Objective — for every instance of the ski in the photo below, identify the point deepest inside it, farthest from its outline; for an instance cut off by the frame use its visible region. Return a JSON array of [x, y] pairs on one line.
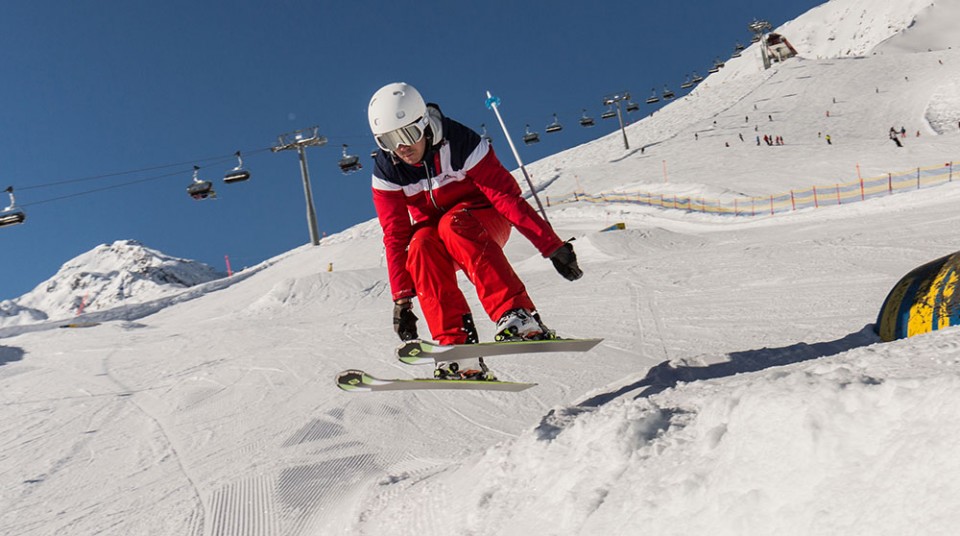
[[359, 381], [417, 352]]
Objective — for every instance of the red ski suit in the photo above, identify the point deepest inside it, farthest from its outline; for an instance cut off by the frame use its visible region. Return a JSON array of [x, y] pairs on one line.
[[454, 211]]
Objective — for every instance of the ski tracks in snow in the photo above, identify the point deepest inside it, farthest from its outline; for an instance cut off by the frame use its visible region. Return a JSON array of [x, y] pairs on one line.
[[649, 320]]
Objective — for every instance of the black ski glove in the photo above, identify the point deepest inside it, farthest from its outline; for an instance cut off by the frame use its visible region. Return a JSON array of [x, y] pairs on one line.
[[404, 321], [565, 261]]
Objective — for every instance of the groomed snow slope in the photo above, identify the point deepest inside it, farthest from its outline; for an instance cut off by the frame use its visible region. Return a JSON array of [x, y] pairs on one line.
[[740, 388]]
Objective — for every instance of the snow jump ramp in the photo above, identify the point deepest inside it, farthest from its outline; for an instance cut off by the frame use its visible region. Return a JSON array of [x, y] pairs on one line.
[[924, 300]]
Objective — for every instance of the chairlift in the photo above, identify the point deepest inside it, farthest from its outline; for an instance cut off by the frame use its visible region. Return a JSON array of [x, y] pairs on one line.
[[530, 137], [610, 113], [349, 162], [237, 174], [632, 106], [653, 99], [718, 64], [714, 69], [200, 189], [586, 120], [555, 126], [737, 50], [696, 78], [687, 84], [667, 93], [11, 215], [373, 153]]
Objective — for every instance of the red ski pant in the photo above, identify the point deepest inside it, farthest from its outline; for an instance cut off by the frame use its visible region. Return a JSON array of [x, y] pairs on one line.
[[470, 240]]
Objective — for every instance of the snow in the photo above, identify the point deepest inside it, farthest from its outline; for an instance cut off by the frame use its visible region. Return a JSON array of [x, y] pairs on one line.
[[740, 388], [124, 272]]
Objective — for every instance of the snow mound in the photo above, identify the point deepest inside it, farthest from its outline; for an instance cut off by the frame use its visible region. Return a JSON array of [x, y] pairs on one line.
[[943, 112], [660, 456]]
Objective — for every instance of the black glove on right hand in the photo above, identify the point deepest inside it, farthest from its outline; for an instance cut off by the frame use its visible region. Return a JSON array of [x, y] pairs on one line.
[[404, 321], [565, 261]]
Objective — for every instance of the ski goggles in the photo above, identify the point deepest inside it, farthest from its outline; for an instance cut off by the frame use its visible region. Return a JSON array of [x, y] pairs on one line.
[[408, 135]]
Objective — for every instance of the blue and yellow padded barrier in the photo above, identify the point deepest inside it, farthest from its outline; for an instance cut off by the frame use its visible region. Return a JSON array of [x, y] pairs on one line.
[[925, 300]]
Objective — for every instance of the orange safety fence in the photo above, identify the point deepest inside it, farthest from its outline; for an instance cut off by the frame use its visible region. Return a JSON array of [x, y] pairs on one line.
[[814, 197]]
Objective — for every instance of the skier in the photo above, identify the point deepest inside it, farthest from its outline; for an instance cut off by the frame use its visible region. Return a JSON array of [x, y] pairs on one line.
[[445, 203]]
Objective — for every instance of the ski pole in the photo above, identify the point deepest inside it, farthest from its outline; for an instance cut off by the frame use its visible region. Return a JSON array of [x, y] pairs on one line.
[[493, 103]]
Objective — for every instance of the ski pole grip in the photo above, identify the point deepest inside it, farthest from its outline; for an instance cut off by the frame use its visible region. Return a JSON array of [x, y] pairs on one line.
[[492, 101]]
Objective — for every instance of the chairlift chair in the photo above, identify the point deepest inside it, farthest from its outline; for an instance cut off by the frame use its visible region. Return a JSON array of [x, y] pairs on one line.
[[11, 215], [555, 126], [200, 189], [373, 153], [349, 162], [667, 93], [586, 120], [632, 106], [237, 174], [610, 113], [696, 78], [687, 84], [530, 137], [653, 99]]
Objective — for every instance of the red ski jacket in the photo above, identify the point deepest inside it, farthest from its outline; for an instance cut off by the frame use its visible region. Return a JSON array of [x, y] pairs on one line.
[[461, 172]]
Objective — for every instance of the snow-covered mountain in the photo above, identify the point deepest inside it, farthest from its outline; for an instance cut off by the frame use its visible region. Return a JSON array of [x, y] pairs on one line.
[[851, 28], [740, 388], [122, 273]]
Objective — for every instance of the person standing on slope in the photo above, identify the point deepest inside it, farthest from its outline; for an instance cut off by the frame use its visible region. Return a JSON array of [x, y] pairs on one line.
[[446, 203]]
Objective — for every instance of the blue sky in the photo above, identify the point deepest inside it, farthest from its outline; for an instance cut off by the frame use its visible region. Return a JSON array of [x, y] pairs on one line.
[[94, 91]]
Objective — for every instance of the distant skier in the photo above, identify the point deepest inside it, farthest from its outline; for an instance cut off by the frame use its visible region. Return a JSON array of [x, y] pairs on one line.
[[827, 137], [445, 203]]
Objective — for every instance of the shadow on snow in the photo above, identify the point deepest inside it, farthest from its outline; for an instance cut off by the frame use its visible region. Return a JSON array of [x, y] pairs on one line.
[[9, 354], [667, 375]]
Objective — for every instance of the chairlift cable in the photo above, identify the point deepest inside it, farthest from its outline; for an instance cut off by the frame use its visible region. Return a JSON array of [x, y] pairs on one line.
[[213, 160], [101, 189]]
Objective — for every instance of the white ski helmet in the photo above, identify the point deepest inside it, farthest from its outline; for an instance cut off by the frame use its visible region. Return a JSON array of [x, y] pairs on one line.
[[397, 115]]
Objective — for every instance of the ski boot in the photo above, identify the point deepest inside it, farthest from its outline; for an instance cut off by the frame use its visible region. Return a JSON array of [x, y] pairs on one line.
[[522, 325]]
